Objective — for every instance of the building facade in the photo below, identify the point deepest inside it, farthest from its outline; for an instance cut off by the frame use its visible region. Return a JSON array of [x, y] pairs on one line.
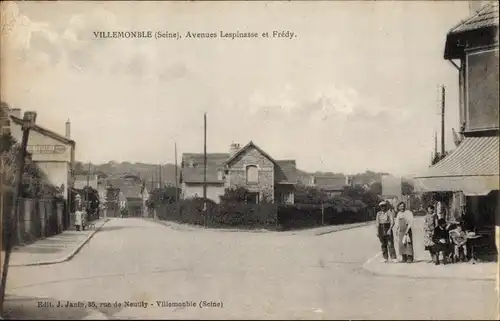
[[249, 166], [472, 169], [82, 181], [129, 193], [53, 153]]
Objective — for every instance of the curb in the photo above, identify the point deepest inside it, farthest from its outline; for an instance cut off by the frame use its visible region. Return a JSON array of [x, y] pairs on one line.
[[190, 228], [69, 256], [366, 267], [345, 228]]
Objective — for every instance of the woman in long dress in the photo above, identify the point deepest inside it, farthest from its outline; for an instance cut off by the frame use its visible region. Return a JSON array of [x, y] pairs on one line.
[[403, 226], [430, 223]]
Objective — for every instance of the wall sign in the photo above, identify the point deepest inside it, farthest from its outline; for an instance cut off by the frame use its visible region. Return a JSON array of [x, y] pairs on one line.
[[46, 149]]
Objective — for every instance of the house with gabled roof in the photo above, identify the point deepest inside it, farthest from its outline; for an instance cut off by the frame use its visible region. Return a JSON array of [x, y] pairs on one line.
[[130, 192], [249, 166], [53, 153]]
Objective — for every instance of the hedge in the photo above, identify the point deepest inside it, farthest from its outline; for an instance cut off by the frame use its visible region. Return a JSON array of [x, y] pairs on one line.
[[219, 215], [298, 216], [252, 216]]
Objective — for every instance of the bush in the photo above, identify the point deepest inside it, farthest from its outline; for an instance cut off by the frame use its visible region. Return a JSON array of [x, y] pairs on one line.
[[244, 215], [299, 216], [231, 214]]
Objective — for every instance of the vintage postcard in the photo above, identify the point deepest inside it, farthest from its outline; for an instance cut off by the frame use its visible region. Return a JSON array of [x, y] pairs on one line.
[[258, 160]]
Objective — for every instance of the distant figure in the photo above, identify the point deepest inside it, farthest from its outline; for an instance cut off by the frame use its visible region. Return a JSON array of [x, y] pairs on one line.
[[430, 223], [403, 225], [79, 218], [384, 223]]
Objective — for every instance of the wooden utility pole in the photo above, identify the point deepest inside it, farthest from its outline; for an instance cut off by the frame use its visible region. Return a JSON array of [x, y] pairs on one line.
[[160, 184], [205, 167], [435, 143], [322, 214], [12, 222], [443, 95], [176, 180]]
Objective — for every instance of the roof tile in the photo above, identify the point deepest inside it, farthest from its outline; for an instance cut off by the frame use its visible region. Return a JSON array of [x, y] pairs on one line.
[[487, 16]]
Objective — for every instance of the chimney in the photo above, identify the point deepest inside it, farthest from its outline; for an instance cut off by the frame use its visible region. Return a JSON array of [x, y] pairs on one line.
[[474, 6], [233, 149], [68, 129], [16, 112], [347, 180]]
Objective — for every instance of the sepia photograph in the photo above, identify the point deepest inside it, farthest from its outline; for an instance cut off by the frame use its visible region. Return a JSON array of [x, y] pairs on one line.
[[239, 160]]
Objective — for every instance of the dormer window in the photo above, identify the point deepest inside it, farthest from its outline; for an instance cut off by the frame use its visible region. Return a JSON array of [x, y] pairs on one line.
[[191, 163]]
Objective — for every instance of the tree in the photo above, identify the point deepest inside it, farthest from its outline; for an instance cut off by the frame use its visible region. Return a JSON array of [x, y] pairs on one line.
[[79, 168], [235, 195], [163, 195], [376, 188], [359, 193], [90, 197], [309, 195], [407, 188]]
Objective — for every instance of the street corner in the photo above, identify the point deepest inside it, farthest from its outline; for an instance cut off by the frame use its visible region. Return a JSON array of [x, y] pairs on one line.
[[33, 308], [337, 228], [423, 269]]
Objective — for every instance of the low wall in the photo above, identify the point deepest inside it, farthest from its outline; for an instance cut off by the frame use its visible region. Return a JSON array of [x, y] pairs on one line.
[[36, 219]]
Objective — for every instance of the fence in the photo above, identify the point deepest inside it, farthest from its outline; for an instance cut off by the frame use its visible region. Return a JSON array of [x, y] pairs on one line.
[[36, 219], [252, 216]]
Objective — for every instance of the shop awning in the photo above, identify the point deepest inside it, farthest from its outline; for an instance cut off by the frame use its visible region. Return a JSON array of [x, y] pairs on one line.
[[472, 168]]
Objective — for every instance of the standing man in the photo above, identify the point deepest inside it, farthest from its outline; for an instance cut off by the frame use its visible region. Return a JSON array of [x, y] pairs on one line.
[[384, 222]]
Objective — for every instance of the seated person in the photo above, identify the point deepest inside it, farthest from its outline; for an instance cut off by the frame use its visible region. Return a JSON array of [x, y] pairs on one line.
[[459, 240], [441, 241]]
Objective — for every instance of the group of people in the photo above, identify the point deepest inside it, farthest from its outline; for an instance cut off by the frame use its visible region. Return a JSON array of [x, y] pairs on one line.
[[80, 217], [444, 239], [395, 228]]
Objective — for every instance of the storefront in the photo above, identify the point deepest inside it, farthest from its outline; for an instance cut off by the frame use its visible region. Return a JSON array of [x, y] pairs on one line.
[[469, 176]]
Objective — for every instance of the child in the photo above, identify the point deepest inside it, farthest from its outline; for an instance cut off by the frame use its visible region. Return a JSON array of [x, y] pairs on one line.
[[459, 239]]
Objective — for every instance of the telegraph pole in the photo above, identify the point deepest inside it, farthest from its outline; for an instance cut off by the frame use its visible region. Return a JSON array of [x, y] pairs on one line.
[[87, 189], [176, 184], [205, 167], [29, 120], [160, 184], [443, 95]]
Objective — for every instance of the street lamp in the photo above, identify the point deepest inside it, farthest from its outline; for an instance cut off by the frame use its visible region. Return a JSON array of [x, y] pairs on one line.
[[29, 120]]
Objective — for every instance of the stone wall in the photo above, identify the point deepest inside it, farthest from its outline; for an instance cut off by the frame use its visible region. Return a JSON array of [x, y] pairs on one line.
[[237, 173], [36, 219]]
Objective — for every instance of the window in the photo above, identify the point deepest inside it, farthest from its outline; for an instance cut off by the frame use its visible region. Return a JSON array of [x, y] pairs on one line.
[[252, 174], [482, 90]]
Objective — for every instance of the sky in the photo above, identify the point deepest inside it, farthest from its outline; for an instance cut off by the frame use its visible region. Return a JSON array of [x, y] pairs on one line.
[[355, 90]]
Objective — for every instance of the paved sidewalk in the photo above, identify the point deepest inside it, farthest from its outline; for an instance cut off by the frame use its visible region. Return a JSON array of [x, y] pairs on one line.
[[311, 231], [422, 268], [54, 249]]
